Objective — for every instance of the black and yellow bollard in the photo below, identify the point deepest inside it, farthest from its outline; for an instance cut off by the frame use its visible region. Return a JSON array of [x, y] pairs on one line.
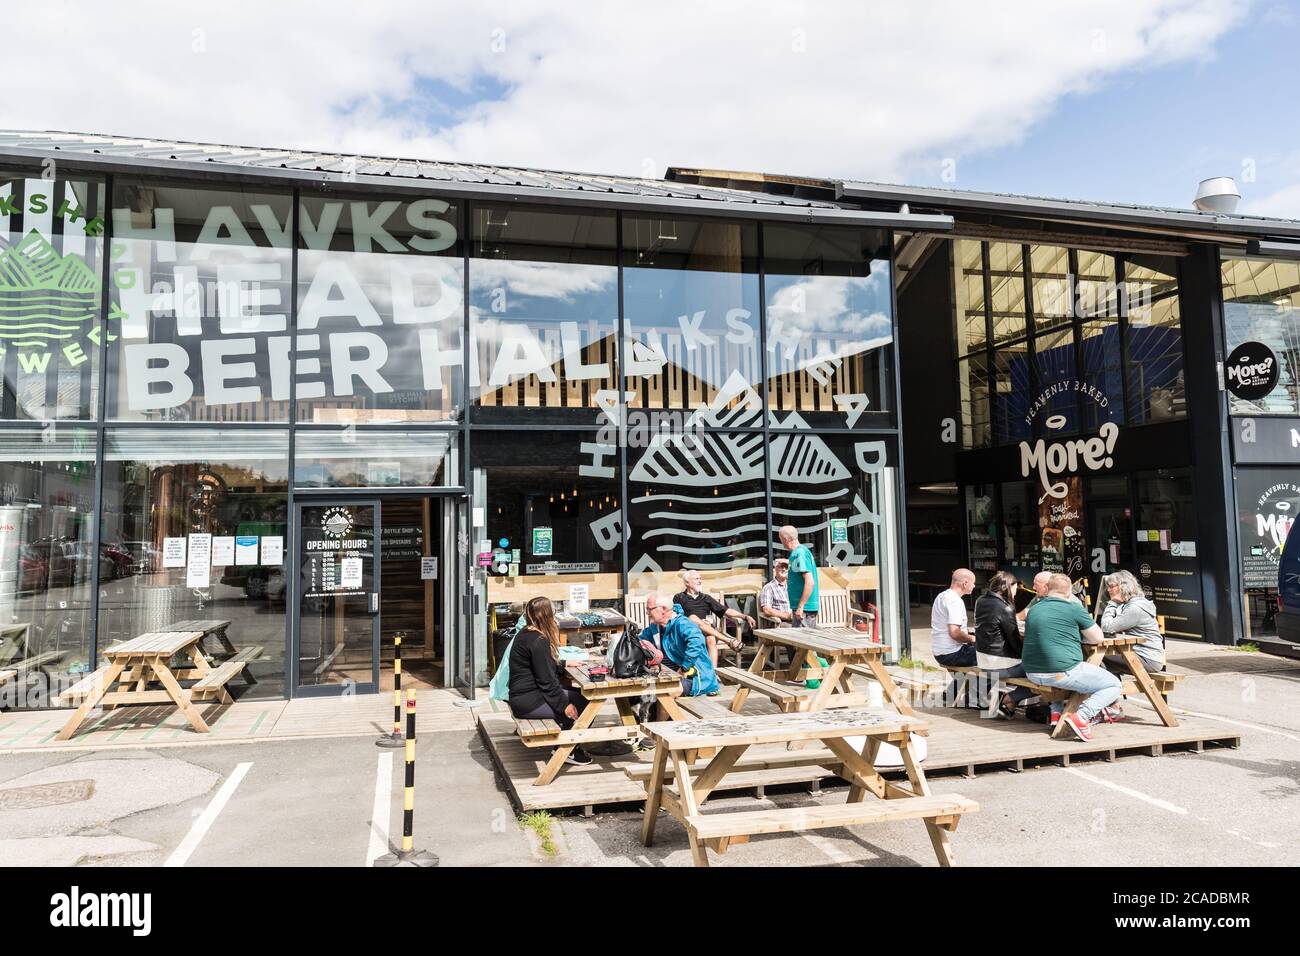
[[407, 855], [395, 738]]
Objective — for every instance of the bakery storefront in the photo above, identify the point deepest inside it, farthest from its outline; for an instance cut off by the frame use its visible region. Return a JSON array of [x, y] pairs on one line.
[[1063, 440], [318, 413]]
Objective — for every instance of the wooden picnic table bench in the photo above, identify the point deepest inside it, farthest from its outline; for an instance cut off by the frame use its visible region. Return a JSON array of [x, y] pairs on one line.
[[841, 647], [684, 792], [135, 664], [663, 688], [216, 629]]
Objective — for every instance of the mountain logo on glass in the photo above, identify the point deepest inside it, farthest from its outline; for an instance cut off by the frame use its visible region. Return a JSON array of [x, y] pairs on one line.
[[47, 301]]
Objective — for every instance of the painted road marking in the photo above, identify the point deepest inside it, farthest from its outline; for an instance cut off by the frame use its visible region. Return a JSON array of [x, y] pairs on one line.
[[205, 820], [379, 813], [1135, 794], [1239, 723]]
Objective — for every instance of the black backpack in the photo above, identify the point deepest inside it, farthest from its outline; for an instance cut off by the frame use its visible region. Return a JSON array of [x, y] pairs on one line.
[[628, 658]]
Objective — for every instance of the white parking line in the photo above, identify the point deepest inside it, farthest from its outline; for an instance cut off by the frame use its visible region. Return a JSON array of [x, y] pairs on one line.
[[1129, 791], [1239, 723], [205, 819], [381, 810]]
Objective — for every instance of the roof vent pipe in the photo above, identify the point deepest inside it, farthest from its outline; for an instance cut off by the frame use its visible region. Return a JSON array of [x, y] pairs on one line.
[[1219, 194]]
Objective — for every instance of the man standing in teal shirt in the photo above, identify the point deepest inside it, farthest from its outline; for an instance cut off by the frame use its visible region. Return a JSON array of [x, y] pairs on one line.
[[802, 582]]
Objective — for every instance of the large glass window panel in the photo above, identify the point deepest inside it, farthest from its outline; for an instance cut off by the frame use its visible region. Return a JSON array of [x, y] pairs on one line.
[[48, 556], [829, 326], [838, 492], [981, 505], [691, 309], [165, 489], [1055, 408], [1156, 387], [1095, 291], [1261, 303], [1013, 393], [366, 458], [1021, 530], [1052, 286], [200, 304], [975, 385], [543, 313], [51, 268], [1102, 392], [968, 292], [1007, 286], [380, 310]]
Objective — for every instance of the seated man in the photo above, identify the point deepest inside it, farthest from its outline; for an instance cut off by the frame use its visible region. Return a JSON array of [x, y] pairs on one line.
[[1053, 655], [683, 646], [774, 599], [1040, 591], [951, 642], [697, 606]]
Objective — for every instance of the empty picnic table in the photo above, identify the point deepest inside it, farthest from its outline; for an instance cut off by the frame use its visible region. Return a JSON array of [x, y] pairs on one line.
[[841, 647], [663, 687], [218, 629], [732, 736], [135, 664]]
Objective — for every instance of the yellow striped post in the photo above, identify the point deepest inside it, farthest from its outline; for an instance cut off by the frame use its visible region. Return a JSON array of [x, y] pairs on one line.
[[407, 855], [395, 738]]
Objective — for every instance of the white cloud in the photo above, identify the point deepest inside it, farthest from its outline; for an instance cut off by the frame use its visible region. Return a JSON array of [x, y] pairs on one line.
[[854, 90]]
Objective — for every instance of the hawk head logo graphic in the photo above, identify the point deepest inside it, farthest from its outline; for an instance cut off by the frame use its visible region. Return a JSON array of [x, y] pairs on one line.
[[46, 299]]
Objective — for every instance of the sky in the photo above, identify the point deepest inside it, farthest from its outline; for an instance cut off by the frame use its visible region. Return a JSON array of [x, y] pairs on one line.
[[1119, 100]]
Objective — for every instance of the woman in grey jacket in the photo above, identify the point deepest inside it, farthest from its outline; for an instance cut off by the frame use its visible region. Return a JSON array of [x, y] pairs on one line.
[[1130, 613]]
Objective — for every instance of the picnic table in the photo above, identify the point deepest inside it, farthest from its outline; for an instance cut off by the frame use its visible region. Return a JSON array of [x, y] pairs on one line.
[[1122, 645], [732, 736], [217, 629], [841, 647], [136, 664], [663, 688]]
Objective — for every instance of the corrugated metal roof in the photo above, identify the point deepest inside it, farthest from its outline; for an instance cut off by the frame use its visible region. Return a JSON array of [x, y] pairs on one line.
[[167, 152]]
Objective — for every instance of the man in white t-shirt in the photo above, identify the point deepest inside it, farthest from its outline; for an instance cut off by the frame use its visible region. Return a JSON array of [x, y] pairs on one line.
[[950, 640]]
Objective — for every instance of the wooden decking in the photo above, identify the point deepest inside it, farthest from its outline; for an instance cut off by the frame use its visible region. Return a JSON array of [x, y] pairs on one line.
[[959, 742]]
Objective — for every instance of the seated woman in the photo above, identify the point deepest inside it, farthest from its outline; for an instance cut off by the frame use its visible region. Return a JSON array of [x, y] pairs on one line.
[[997, 640], [1130, 613], [536, 691]]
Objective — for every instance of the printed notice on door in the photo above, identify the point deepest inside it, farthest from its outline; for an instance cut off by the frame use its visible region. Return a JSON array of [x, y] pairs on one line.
[[198, 572], [173, 552], [350, 573]]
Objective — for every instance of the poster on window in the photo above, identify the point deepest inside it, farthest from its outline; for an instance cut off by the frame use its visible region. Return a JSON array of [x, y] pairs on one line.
[[1060, 522], [1267, 503]]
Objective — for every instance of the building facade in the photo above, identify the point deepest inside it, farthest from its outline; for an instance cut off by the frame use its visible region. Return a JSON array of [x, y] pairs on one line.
[[324, 399]]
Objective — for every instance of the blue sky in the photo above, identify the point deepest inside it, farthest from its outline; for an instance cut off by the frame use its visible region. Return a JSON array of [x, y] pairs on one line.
[[1149, 136]]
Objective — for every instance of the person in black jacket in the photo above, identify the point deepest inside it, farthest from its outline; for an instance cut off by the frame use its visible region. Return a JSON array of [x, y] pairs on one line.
[[997, 640], [536, 688]]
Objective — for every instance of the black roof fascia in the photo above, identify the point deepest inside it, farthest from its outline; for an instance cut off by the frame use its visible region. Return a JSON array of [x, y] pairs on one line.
[[1089, 212], [343, 182], [1273, 250]]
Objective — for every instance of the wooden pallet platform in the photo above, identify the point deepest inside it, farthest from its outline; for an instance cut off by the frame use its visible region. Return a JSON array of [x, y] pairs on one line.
[[959, 742]]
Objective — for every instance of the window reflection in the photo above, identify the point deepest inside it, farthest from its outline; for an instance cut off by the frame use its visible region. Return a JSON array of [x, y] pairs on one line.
[[201, 300], [1052, 292], [968, 287], [543, 312], [1155, 340], [1007, 284], [1261, 304]]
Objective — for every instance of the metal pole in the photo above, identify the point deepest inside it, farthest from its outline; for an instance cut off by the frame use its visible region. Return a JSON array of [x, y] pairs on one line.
[[395, 738], [407, 855]]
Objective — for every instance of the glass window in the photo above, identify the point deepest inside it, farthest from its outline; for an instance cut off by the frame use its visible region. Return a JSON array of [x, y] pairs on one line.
[[1055, 408], [691, 307], [51, 269], [1155, 340], [839, 494], [227, 487], [1102, 392], [981, 505], [365, 458], [1007, 285], [696, 500], [1021, 530], [1268, 500], [1053, 293], [200, 290], [543, 313], [968, 290], [380, 311], [830, 331], [1166, 525], [47, 559], [1261, 303], [974, 382], [1012, 396]]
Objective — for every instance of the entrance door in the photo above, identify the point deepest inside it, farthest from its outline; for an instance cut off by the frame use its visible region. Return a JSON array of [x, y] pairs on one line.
[[338, 597], [459, 591]]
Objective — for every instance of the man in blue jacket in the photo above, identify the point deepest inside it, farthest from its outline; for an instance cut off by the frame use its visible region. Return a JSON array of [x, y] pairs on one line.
[[683, 645]]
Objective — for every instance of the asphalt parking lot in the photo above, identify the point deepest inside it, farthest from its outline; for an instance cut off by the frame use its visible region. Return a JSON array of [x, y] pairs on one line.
[[314, 803]]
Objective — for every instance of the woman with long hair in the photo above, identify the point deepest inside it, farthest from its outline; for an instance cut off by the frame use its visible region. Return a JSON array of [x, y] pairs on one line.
[[997, 640], [536, 690], [1131, 613]]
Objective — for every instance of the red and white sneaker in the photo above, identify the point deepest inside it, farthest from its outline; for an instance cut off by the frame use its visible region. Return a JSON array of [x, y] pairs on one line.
[[1110, 715], [1080, 727], [1056, 716]]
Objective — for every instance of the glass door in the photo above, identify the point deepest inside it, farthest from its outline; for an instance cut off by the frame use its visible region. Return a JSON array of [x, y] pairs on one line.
[[338, 597], [461, 597]]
